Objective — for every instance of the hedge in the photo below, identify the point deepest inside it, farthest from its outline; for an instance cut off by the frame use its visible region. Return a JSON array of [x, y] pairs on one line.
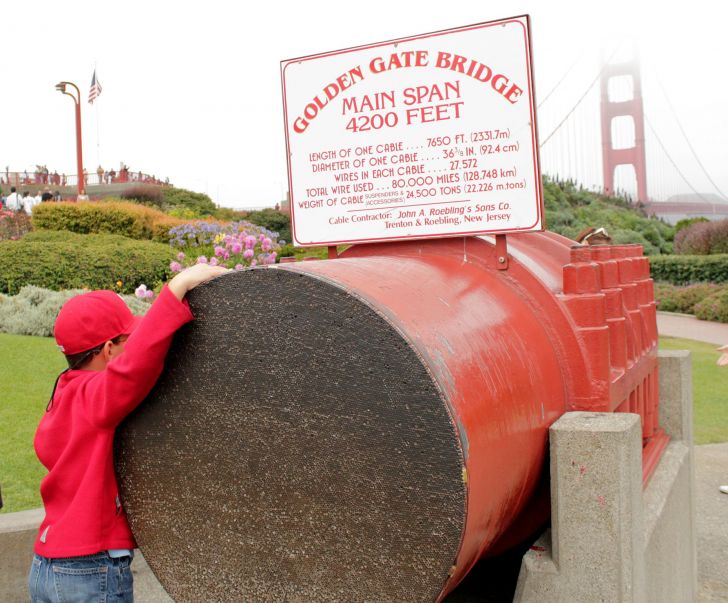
[[63, 260], [687, 269], [714, 308], [672, 298], [33, 311], [108, 217]]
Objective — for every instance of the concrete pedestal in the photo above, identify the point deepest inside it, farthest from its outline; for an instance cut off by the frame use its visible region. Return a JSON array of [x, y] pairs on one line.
[[612, 540]]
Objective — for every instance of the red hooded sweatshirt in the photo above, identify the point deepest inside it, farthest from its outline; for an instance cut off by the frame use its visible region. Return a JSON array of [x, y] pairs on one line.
[[75, 439]]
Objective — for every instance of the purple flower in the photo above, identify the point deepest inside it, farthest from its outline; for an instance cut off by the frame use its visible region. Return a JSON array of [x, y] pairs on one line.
[[202, 260], [175, 267]]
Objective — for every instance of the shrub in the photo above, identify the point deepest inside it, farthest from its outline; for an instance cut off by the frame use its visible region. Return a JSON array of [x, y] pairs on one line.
[[199, 203], [714, 308], [110, 217], [273, 220], [33, 310], [144, 193], [13, 225], [570, 209], [228, 214], [684, 223], [671, 298], [687, 269], [69, 261], [703, 238]]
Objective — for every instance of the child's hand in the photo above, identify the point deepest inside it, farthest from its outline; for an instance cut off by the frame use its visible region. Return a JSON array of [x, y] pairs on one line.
[[190, 277]]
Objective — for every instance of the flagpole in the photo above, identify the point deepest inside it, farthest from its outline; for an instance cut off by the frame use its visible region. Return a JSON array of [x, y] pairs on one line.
[[98, 145]]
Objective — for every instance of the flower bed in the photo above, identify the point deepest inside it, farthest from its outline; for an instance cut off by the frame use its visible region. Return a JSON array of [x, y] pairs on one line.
[[13, 225], [236, 245]]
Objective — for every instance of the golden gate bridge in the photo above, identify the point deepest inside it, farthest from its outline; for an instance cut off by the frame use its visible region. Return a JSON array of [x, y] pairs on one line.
[[638, 157]]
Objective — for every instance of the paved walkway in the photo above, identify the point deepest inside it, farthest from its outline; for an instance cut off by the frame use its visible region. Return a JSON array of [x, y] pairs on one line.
[[689, 327], [711, 470]]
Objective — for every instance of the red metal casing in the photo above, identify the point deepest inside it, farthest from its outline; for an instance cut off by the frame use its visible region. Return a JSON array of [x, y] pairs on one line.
[[563, 327]]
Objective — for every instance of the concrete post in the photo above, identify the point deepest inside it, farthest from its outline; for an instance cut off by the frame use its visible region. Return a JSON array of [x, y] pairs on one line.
[[612, 540], [596, 498]]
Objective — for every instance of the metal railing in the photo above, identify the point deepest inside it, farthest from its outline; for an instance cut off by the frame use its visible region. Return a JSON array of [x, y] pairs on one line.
[[99, 178]]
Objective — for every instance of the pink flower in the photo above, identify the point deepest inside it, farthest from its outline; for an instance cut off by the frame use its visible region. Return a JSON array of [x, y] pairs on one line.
[[219, 250], [202, 260], [248, 253], [266, 244], [249, 242], [261, 238], [181, 256], [237, 247], [226, 255], [254, 263], [213, 262], [149, 294], [141, 291], [175, 267], [239, 266]]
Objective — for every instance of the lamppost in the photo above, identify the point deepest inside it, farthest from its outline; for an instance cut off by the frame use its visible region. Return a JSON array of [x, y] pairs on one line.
[[61, 87]]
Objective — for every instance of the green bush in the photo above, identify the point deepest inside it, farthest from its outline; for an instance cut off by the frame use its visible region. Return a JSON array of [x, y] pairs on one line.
[[688, 269], [180, 198], [672, 298], [570, 209], [714, 308], [273, 220], [70, 261], [123, 218], [33, 311], [109, 216]]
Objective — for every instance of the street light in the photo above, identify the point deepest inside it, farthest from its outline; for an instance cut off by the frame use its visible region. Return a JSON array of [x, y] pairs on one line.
[[61, 87]]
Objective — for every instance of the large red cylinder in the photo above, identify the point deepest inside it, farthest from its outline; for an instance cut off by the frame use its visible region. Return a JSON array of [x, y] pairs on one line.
[[505, 345]]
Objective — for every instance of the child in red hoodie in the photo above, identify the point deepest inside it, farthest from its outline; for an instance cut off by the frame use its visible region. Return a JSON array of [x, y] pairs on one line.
[[84, 546]]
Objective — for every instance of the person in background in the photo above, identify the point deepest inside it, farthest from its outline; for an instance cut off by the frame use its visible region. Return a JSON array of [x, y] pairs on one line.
[[13, 201], [27, 203], [84, 547]]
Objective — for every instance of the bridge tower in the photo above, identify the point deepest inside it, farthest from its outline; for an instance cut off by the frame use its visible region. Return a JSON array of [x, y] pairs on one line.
[[630, 108]]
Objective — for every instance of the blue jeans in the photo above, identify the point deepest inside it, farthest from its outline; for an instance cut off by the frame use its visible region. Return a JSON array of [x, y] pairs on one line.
[[87, 579]]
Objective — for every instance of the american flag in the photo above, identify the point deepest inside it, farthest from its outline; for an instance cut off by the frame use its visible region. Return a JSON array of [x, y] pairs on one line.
[[95, 89]]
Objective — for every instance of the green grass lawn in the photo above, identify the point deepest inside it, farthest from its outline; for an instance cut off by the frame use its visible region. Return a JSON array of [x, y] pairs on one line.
[[710, 389], [29, 366]]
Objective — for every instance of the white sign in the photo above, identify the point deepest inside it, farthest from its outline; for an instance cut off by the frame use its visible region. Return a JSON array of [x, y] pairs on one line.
[[429, 136]]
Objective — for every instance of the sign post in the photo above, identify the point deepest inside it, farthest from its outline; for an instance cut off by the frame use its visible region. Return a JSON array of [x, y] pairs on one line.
[[427, 136]]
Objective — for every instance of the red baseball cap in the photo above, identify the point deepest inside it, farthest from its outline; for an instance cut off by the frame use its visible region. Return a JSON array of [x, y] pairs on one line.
[[88, 320]]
